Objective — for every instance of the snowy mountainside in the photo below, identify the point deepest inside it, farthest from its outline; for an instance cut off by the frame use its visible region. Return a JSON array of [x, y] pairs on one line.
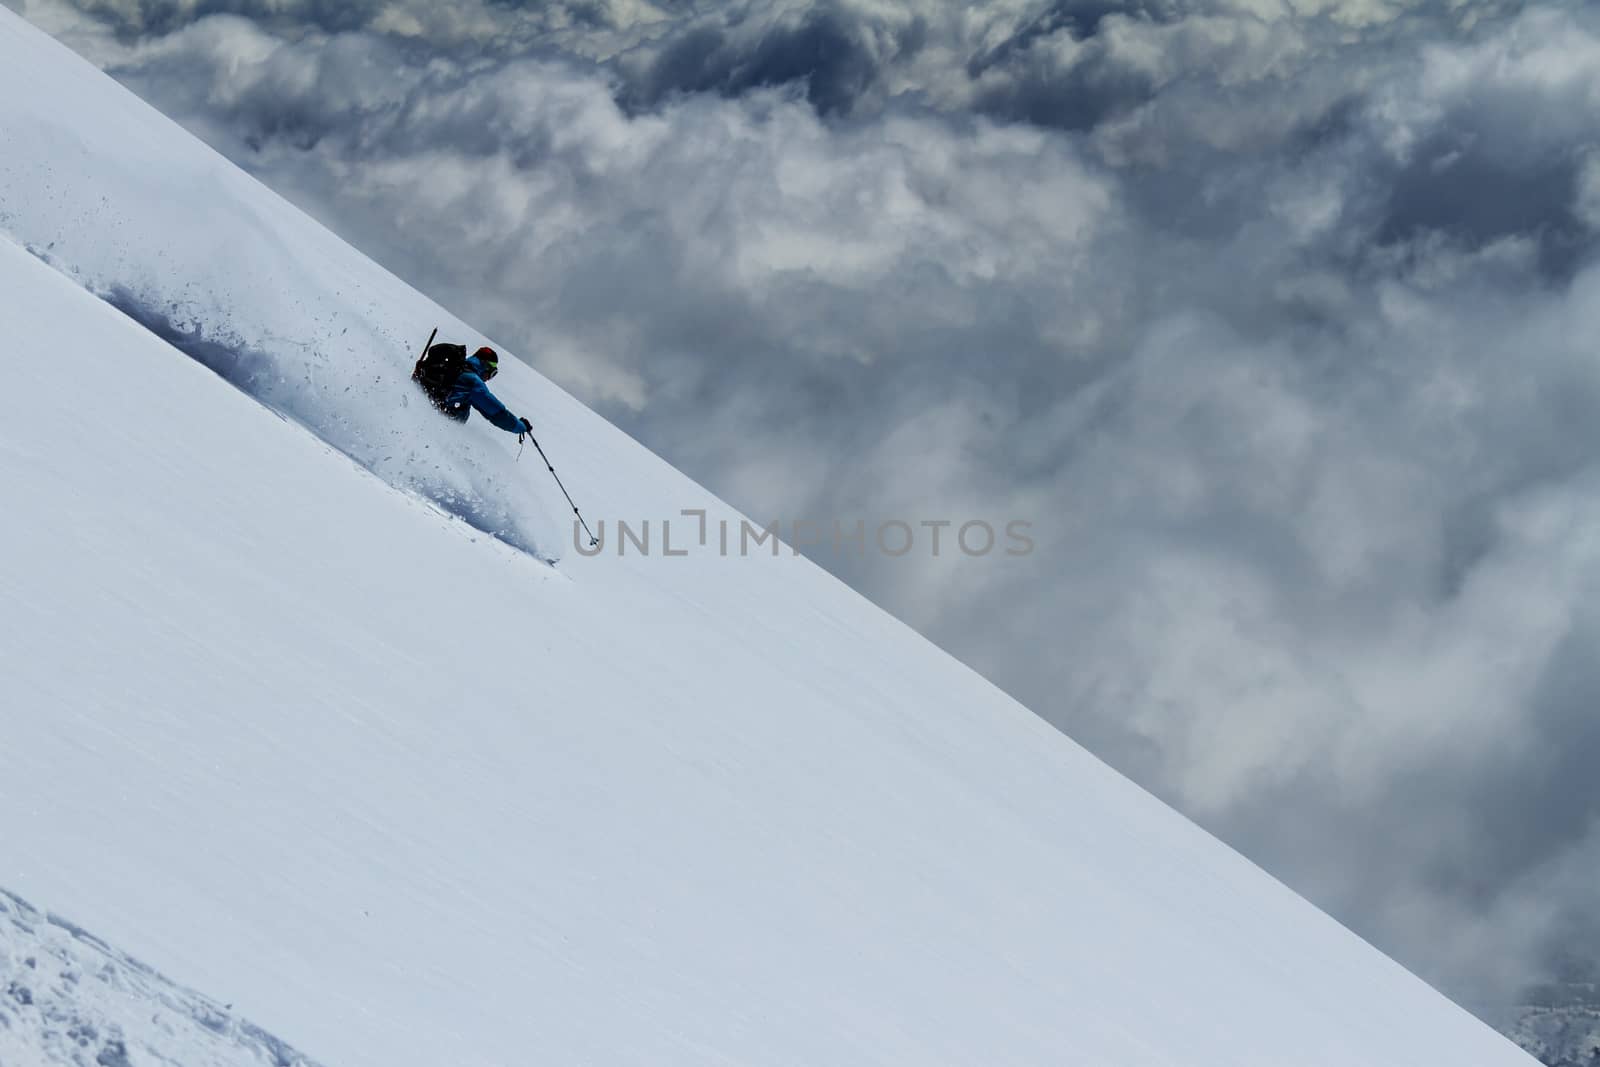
[[68, 998], [1559, 1022], [277, 725], [1559, 1036]]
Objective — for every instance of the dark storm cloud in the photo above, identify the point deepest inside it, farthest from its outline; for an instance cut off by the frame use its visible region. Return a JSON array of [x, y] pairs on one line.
[[823, 49], [486, 26], [134, 17], [1279, 326]]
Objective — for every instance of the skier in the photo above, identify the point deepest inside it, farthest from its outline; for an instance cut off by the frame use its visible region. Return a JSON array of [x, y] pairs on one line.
[[454, 382]]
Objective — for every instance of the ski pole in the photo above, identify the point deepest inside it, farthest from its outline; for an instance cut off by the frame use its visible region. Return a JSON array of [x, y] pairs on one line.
[[593, 540]]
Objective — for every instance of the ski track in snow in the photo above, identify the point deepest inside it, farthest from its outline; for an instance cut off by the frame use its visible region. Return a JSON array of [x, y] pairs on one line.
[[344, 378], [253, 372], [66, 997]]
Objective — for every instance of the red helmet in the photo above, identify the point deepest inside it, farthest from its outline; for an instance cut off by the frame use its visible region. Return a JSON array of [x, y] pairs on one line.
[[488, 360]]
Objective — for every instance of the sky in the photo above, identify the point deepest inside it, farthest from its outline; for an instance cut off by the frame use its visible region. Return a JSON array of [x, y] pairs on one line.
[[1276, 320]]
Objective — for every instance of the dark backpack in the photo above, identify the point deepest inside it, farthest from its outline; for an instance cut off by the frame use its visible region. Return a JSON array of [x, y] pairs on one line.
[[437, 372]]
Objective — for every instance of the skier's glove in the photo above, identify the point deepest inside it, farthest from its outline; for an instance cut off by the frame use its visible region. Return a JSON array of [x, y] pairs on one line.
[[527, 427]]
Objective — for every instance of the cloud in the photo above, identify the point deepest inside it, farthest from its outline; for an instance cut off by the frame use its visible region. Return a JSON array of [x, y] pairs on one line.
[[837, 57], [1274, 319], [478, 21]]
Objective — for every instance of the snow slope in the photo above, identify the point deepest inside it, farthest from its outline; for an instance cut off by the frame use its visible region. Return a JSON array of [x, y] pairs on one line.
[[279, 726], [66, 997]]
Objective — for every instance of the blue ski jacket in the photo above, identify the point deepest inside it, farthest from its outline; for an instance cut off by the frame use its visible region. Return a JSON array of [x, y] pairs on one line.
[[470, 389]]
